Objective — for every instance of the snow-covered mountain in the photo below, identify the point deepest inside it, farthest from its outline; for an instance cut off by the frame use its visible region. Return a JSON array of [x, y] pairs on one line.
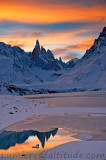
[[72, 62], [22, 67], [39, 71], [45, 59], [90, 70]]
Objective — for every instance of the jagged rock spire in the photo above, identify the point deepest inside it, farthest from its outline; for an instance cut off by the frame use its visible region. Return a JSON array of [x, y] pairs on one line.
[[37, 44], [60, 59], [43, 51], [40, 52], [50, 54], [36, 51], [104, 30]]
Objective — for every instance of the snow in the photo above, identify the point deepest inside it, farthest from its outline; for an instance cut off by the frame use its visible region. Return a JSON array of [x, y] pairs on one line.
[[14, 109], [73, 111], [78, 150], [6, 64], [83, 136]]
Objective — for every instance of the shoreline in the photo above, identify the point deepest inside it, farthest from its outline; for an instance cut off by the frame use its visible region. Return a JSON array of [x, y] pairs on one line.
[[78, 119], [70, 122], [14, 109], [83, 121]]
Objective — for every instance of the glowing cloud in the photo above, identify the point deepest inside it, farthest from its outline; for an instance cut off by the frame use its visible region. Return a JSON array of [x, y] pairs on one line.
[[46, 11], [66, 27]]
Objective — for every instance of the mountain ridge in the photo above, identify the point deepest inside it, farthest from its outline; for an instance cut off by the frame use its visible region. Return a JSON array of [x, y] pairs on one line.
[[39, 71]]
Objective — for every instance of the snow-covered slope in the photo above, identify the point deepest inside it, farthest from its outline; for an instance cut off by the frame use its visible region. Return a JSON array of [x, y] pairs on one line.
[[77, 150], [90, 71], [14, 109], [39, 71]]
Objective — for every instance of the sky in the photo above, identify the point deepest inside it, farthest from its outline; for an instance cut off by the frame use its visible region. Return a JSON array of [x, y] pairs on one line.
[[67, 27]]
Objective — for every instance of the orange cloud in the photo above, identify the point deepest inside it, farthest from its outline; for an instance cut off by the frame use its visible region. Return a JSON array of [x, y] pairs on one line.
[[81, 46], [67, 57], [33, 11], [16, 43], [72, 51], [77, 47], [59, 42], [49, 39]]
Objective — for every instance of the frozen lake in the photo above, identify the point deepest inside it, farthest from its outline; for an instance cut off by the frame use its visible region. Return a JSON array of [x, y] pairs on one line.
[[69, 117]]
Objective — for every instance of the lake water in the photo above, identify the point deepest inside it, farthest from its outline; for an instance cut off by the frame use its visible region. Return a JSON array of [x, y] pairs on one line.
[[22, 145], [19, 140]]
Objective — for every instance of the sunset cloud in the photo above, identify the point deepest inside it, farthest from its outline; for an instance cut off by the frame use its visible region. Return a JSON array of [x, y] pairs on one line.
[[45, 11], [16, 43], [73, 51], [66, 27], [68, 57]]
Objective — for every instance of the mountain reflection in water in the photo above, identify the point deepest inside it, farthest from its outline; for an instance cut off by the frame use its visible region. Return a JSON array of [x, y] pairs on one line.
[[11, 138]]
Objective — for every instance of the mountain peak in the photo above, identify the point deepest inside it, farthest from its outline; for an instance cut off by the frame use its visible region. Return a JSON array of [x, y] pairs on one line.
[[60, 59], [99, 44], [36, 51], [37, 44], [103, 33], [43, 51], [37, 41], [104, 30]]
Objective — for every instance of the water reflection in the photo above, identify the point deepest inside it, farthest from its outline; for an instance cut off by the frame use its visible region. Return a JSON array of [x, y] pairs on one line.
[[11, 138]]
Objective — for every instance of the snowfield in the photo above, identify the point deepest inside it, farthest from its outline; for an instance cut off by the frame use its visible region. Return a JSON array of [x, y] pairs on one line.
[[84, 150], [14, 109]]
